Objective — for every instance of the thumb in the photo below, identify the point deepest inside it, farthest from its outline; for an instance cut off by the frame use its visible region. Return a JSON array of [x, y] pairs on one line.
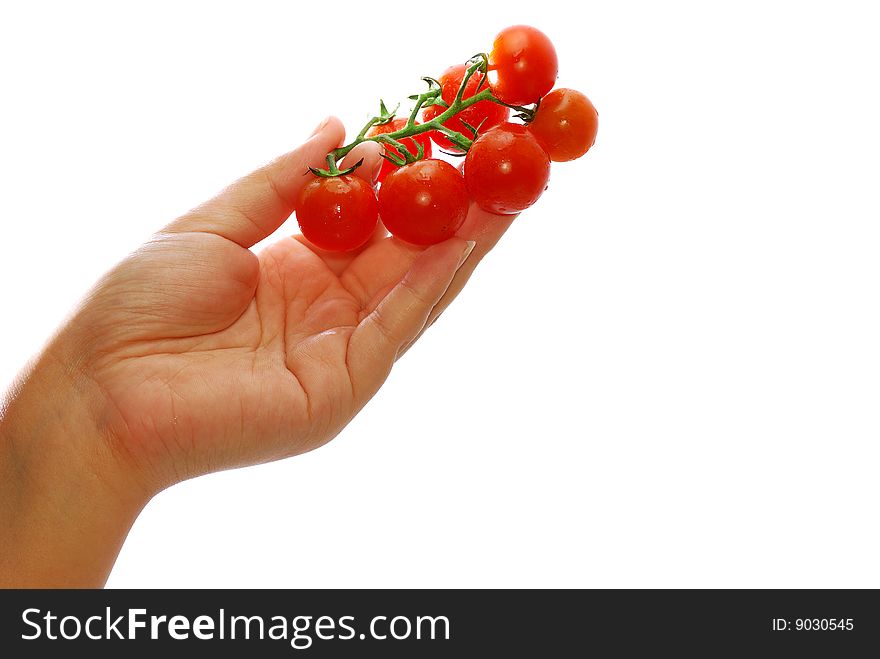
[[254, 206]]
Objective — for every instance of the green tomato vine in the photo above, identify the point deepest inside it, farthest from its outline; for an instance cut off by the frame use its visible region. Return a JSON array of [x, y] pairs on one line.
[[433, 96]]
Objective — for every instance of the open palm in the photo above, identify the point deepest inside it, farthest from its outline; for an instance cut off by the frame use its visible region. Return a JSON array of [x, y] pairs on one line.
[[209, 356]]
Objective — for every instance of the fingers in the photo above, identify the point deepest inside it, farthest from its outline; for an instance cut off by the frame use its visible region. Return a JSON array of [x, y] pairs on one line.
[[375, 272], [400, 316], [254, 206], [371, 152], [485, 229]]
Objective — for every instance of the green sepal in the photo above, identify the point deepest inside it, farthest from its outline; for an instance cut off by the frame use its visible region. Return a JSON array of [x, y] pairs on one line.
[[454, 155], [394, 159], [470, 128], [420, 150], [326, 173], [434, 101], [385, 117], [483, 59]]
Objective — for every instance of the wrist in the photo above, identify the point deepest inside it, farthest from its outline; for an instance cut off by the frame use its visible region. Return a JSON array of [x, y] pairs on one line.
[[66, 501]]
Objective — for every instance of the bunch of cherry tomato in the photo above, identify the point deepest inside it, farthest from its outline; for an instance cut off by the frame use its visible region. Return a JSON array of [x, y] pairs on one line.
[[424, 200]]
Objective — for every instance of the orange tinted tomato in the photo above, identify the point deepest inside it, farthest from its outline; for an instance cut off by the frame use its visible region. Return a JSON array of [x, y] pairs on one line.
[[565, 124]]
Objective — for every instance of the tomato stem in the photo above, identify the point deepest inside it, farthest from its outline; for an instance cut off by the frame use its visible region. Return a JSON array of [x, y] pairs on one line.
[[432, 97], [527, 114]]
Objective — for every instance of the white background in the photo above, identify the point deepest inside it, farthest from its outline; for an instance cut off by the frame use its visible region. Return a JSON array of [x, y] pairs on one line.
[[667, 374]]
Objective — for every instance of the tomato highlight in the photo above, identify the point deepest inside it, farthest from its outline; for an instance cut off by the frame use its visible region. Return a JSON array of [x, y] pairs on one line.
[[565, 125], [424, 203], [506, 170], [337, 213], [522, 65]]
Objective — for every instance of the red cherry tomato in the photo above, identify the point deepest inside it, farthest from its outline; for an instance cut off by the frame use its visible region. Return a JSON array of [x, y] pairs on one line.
[[485, 112], [408, 142], [338, 213], [506, 170], [522, 65], [424, 203], [565, 124]]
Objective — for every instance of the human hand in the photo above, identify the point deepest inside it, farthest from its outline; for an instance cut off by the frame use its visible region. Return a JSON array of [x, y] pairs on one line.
[[209, 356], [194, 354]]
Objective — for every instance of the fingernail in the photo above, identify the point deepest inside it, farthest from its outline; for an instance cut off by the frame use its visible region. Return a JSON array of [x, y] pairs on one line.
[[321, 126], [466, 252]]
